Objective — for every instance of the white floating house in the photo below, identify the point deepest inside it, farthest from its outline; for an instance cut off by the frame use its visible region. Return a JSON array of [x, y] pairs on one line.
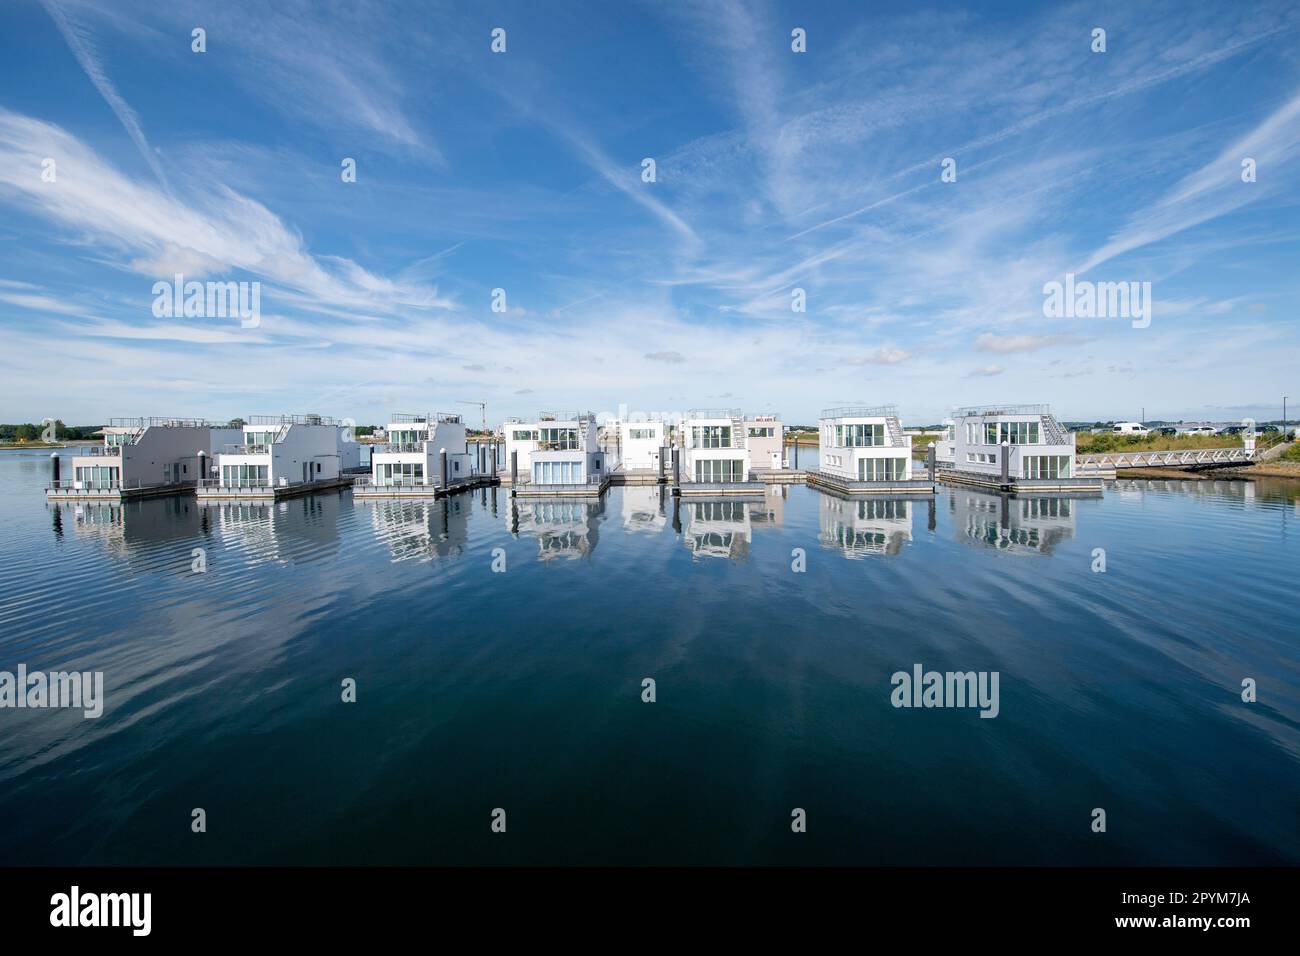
[[559, 453], [1012, 448], [142, 457], [641, 446], [410, 462], [765, 440], [279, 455], [863, 450], [714, 453]]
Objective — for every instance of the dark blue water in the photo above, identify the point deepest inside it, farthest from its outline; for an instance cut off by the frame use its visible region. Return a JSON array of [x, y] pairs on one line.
[[522, 689]]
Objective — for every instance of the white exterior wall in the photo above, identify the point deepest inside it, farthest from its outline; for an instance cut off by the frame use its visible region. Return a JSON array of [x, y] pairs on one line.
[[434, 437], [690, 454], [641, 454], [591, 462], [842, 460], [964, 448]]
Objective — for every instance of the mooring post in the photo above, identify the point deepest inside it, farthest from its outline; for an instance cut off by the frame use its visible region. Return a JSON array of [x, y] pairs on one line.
[[929, 461], [203, 468], [54, 467], [677, 471], [514, 469], [442, 464], [1006, 463], [796, 453]]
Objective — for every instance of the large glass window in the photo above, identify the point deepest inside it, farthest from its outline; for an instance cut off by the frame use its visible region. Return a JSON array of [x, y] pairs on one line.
[[525, 435], [560, 439], [1019, 433], [711, 436], [882, 469], [860, 436], [557, 472], [637, 434], [97, 476], [719, 469], [1045, 466]]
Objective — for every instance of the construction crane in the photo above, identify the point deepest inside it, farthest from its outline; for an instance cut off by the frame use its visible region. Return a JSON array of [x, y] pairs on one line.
[[482, 407]]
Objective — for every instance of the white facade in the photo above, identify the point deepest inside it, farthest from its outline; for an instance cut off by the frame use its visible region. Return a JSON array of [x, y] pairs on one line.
[[412, 454], [640, 445], [863, 443], [279, 451], [765, 439], [713, 447], [1037, 446], [147, 453], [559, 448]]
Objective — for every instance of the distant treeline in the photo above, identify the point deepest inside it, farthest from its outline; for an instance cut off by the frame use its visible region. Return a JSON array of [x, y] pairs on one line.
[[30, 432]]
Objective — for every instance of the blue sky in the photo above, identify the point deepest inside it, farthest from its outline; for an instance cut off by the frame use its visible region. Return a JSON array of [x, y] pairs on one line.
[[522, 171]]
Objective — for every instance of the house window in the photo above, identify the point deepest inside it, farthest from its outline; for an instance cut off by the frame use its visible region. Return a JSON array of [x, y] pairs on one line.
[[641, 434], [244, 476], [524, 436], [318, 468], [881, 469], [711, 436], [762, 433], [557, 473], [719, 469], [1045, 466], [1019, 433]]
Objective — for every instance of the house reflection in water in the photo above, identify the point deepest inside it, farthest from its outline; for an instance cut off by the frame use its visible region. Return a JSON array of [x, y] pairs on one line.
[[565, 528], [289, 530], [860, 526], [133, 525], [1030, 525], [645, 507], [423, 529]]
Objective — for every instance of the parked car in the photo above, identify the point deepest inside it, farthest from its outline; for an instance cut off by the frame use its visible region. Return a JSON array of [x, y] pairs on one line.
[[1130, 428], [1231, 430], [1267, 429], [1167, 430], [1200, 430]]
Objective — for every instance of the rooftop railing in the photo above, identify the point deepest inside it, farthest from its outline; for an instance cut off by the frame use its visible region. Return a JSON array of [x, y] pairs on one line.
[[246, 449], [861, 411], [565, 416], [713, 413], [160, 423], [397, 447], [980, 411], [450, 418], [291, 420]]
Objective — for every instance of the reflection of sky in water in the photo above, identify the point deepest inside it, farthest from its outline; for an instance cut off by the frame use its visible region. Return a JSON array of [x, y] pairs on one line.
[[477, 687]]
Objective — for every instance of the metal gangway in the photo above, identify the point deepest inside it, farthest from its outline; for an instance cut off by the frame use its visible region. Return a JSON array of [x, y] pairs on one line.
[[1179, 458]]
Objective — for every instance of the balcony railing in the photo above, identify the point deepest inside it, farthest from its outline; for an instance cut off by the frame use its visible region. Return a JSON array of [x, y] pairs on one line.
[[247, 449], [242, 483], [97, 451], [861, 411], [713, 413], [367, 481], [574, 445]]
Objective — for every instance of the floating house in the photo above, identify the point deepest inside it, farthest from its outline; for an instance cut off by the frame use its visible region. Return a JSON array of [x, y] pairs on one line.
[[765, 441], [281, 455], [863, 450], [141, 457], [641, 447], [557, 454], [713, 456], [411, 462], [1012, 448]]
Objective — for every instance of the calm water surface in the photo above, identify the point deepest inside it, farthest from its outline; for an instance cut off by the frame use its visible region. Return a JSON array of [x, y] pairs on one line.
[[522, 689]]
